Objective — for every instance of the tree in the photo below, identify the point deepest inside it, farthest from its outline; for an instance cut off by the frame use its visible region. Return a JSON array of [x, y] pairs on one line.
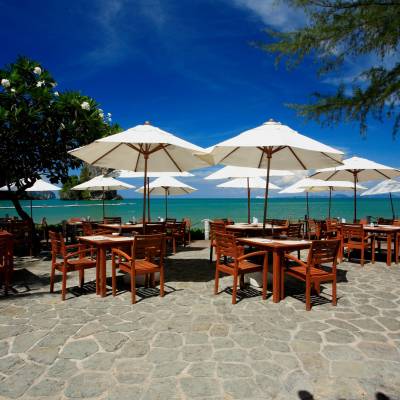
[[38, 125], [342, 30]]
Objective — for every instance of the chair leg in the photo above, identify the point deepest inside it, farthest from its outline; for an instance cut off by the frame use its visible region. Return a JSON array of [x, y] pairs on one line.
[[162, 281], [64, 284], [174, 245], [282, 283], [216, 281], [52, 273], [114, 277], [234, 289], [334, 295], [308, 295], [241, 281], [133, 288], [317, 287], [152, 280], [211, 253], [265, 281], [373, 251], [81, 277], [362, 256]]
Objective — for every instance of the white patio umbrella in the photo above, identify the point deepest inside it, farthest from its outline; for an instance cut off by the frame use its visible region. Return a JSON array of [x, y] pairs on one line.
[[273, 146], [144, 148], [308, 185], [247, 183], [231, 172], [389, 186], [102, 183], [357, 169], [39, 186], [167, 185]]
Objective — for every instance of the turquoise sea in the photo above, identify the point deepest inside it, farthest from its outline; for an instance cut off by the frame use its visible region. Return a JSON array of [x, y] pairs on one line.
[[198, 209]]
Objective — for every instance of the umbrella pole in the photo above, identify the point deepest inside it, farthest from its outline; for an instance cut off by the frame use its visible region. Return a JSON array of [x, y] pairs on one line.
[[330, 203], [391, 203], [148, 199], [145, 192], [355, 197], [166, 203], [269, 155], [31, 211], [248, 201]]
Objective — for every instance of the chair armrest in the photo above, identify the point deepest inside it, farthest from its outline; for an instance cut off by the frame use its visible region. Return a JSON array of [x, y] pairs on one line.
[[120, 253], [253, 254], [78, 253], [295, 259]]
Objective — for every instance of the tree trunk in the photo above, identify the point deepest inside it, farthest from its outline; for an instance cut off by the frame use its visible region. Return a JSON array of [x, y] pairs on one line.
[[23, 215]]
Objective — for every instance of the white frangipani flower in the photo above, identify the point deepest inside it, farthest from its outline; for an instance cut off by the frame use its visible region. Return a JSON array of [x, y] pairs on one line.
[[53, 84], [37, 70], [39, 83], [109, 115], [12, 90], [62, 126], [5, 83], [85, 105], [101, 115], [56, 94]]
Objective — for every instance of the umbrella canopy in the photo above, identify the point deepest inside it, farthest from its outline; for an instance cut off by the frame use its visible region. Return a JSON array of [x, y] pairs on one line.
[[167, 185], [103, 183], [386, 187], [357, 169], [39, 186], [273, 146], [142, 148], [248, 183], [230, 172], [120, 173]]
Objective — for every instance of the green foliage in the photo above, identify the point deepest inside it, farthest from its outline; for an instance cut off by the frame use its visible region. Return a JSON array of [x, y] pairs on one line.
[[38, 125], [345, 30], [66, 193]]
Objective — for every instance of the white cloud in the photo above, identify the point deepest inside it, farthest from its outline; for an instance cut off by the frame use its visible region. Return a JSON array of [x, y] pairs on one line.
[[275, 14]]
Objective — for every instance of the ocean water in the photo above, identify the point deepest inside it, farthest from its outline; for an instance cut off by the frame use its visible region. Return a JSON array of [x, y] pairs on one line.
[[198, 209]]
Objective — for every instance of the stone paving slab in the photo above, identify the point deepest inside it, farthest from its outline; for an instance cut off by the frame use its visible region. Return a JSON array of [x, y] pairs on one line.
[[194, 345]]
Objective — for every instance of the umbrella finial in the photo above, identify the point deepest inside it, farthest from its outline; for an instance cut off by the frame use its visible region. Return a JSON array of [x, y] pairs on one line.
[[147, 122], [271, 121]]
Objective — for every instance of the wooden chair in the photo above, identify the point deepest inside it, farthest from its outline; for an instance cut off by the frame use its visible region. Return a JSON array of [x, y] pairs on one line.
[[294, 230], [89, 230], [277, 222], [310, 272], [332, 228], [313, 231], [65, 260], [232, 260], [6, 262], [147, 258], [385, 221], [175, 234], [170, 220], [112, 220], [215, 227], [153, 228], [353, 237], [188, 227]]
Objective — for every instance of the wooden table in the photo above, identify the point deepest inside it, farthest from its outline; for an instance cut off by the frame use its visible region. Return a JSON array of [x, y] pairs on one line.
[[391, 232], [278, 248], [122, 227], [248, 229], [101, 243]]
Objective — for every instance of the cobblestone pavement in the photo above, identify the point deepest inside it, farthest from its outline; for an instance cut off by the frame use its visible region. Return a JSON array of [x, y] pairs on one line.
[[194, 345]]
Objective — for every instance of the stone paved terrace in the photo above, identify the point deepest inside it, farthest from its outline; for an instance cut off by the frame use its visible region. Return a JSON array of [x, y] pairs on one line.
[[194, 345]]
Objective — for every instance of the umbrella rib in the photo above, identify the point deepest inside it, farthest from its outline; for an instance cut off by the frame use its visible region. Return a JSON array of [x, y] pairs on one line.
[[297, 158], [138, 157], [170, 157], [107, 153], [261, 158], [327, 155], [158, 147], [229, 154], [379, 172]]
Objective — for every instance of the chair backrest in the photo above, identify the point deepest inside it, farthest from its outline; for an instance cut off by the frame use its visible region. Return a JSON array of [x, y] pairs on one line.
[[396, 222], [225, 244], [385, 221], [294, 230], [170, 220], [323, 252], [4, 251], [149, 246], [57, 244], [75, 219], [216, 227], [276, 222], [155, 228], [112, 220], [87, 228], [331, 224], [352, 232], [179, 227]]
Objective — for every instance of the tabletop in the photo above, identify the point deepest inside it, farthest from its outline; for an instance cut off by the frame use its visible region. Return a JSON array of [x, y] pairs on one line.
[[244, 226], [106, 240], [276, 243], [122, 226], [382, 228]]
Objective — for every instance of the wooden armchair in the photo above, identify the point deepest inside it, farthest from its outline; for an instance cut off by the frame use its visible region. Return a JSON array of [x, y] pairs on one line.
[[153, 228], [310, 272], [277, 222], [6, 262], [353, 237], [313, 229], [215, 227], [176, 233], [89, 230], [147, 258], [65, 260], [232, 260], [332, 228], [170, 220], [294, 230]]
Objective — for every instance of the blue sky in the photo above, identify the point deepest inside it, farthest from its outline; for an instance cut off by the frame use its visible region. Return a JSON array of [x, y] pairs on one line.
[[185, 65]]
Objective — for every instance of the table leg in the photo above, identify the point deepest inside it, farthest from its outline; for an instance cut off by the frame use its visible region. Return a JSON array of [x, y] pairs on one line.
[[396, 248], [103, 260], [389, 250], [276, 291], [98, 275]]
